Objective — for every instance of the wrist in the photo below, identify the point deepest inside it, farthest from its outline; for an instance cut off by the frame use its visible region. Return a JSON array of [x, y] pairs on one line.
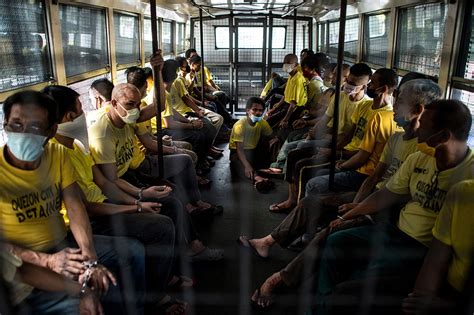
[[138, 203]]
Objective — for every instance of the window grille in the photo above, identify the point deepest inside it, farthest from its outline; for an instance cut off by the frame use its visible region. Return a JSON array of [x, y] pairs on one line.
[[83, 87], [167, 35], [25, 58], [181, 38], [376, 38], [322, 32], [420, 38], [351, 38], [212, 55], [84, 39], [127, 39]]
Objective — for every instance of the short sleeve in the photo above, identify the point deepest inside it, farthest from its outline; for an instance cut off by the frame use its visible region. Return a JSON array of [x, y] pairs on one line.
[[370, 135], [142, 128], [180, 88], [208, 74], [103, 150], [238, 133], [387, 153], [399, 183], [330, 109], [444, 220], [68, 174], [266, 129]]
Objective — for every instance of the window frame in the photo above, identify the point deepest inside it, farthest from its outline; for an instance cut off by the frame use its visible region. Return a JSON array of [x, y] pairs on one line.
[[172, 37], [120, 66], [268, 30], [365, 19]]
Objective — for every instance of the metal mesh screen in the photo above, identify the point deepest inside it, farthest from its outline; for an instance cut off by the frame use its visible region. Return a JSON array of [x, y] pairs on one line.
[[147, 37], [213, 54], [420, 38], [279, 53], [180, 38], [351, 38], [250, 41], [127, 42], [376, 38], [302, 36], [322, 33], [167, 35], [82, 88], [249, 84], [24, 52], [84, 39], [220, 76], [467, 98], [467, 62]]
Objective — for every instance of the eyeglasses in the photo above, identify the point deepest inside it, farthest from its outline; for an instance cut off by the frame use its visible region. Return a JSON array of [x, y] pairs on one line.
[[19, 127]]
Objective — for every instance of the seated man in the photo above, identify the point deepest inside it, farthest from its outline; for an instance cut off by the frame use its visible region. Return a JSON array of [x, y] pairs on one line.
[[407, 110], [443, 276], [37, 177], [423, 181], [295, 96], [116, 213], [245, 138]]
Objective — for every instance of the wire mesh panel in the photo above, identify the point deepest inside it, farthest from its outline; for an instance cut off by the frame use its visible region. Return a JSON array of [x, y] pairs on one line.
[[24, 51], [250, 41], [322, 34], [467, 98], [220, 76], [282, 30], [180, 38], [302, 36], [127, 43], [250, 84], [84, 39], [83, 88], [466, 55], [376, 38], [420, 38], [167, 35], [351, 38], [148, 37], [216, 40]]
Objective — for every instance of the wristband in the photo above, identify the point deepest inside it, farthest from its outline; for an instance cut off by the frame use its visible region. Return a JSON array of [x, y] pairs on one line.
[[90, 264], [140, 193], [341, 218], [139, 205]]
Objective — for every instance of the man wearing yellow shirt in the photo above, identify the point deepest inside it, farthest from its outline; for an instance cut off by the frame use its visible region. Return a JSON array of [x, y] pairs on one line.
[[247, 133], [423, 181], [448, 263], [37, 178], [295, 96]]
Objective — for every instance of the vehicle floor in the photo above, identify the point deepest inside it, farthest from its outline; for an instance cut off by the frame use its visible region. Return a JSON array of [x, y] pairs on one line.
[[226, 287]]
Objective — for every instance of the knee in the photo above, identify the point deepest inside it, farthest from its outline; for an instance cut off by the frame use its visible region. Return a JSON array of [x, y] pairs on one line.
[[316, 185]]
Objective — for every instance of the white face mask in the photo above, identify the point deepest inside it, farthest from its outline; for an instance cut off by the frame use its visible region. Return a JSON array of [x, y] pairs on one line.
[[131, 116], [76, 129], [288, 67]]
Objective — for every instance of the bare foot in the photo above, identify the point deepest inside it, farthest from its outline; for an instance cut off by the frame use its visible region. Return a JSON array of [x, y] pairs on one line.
[[195, 247], [262, 245], [264, 296], [202, 205]]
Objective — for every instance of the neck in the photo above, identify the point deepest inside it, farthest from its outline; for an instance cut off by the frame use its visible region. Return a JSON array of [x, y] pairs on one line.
[[380, 101], [251, 123], [451, 155], [23, 165], [65, 141], [115, 118], [357, 97]]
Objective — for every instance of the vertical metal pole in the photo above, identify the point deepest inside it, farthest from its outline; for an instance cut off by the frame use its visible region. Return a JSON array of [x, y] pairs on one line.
[[203, 73], [270, 45], [157, 91], [294, 31], [231, 61], [335, 116], [264, 79]]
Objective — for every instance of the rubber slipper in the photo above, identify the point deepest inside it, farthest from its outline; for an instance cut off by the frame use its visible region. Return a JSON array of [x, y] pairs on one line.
[[163, 308], [244, 242], [180, 284], [208, 254], [264, 186], [276, 208]]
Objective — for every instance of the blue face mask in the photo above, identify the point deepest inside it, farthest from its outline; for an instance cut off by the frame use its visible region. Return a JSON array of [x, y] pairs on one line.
[[402, 122], [26, 147], [255, 119]]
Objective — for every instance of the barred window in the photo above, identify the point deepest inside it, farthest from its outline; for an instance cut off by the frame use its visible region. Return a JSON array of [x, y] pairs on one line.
[[322, 31], [84, 39], [147, 37], [376, 38], [167, 37], [180, 37], [420, 38], [351, 38], [24, 50], [127, 43]]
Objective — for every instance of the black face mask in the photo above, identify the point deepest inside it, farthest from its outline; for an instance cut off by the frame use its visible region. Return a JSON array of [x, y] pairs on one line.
[[372, 93]]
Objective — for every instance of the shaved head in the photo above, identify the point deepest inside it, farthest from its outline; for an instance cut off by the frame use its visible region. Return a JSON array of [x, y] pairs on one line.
[[290, 58], [124, 92]]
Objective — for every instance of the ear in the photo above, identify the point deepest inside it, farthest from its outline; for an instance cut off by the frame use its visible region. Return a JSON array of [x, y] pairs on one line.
[[419, 109], [69, 116], [384, 89]]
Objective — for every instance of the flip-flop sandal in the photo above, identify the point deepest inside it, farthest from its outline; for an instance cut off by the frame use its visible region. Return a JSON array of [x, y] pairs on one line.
[[276, 208], [203, 182], [270, 171], [163, 308], [264, 298], [244, 242], [179, 285], [208, 255]]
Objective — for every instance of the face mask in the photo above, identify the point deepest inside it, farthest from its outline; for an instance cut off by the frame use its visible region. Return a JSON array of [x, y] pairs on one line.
[[288, 67], [402, 122], [372, 93], [76, 129], [131, 116], [26, 147], [255, 119], [350, 90]]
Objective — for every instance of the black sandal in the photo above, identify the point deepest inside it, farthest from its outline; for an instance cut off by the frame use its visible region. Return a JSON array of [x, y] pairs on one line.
[[165, 307]]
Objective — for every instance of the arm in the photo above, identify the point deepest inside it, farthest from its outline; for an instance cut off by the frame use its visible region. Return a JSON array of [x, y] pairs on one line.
[[188, 100], [320, 128], [248, 169], [291, 109], [346, 136], [110, 172], [150, 144], [357, 160], [110, 188], [370, 182]]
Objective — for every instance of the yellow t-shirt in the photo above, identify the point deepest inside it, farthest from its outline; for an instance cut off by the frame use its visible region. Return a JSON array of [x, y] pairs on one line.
[[379, 128], [419, 177], [30, 200], [454, 227], [166, 113], [198, 77], [296, 89], [316, 89], [109, 144], [249, 135], [266, 88], [346, 109], [176, 94]]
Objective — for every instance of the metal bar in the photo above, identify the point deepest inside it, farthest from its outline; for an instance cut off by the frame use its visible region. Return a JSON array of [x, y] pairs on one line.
[[294, 30], [264, 79], [157, 91], [270, 45], [231, 61], [203, 73], [335, 116]]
